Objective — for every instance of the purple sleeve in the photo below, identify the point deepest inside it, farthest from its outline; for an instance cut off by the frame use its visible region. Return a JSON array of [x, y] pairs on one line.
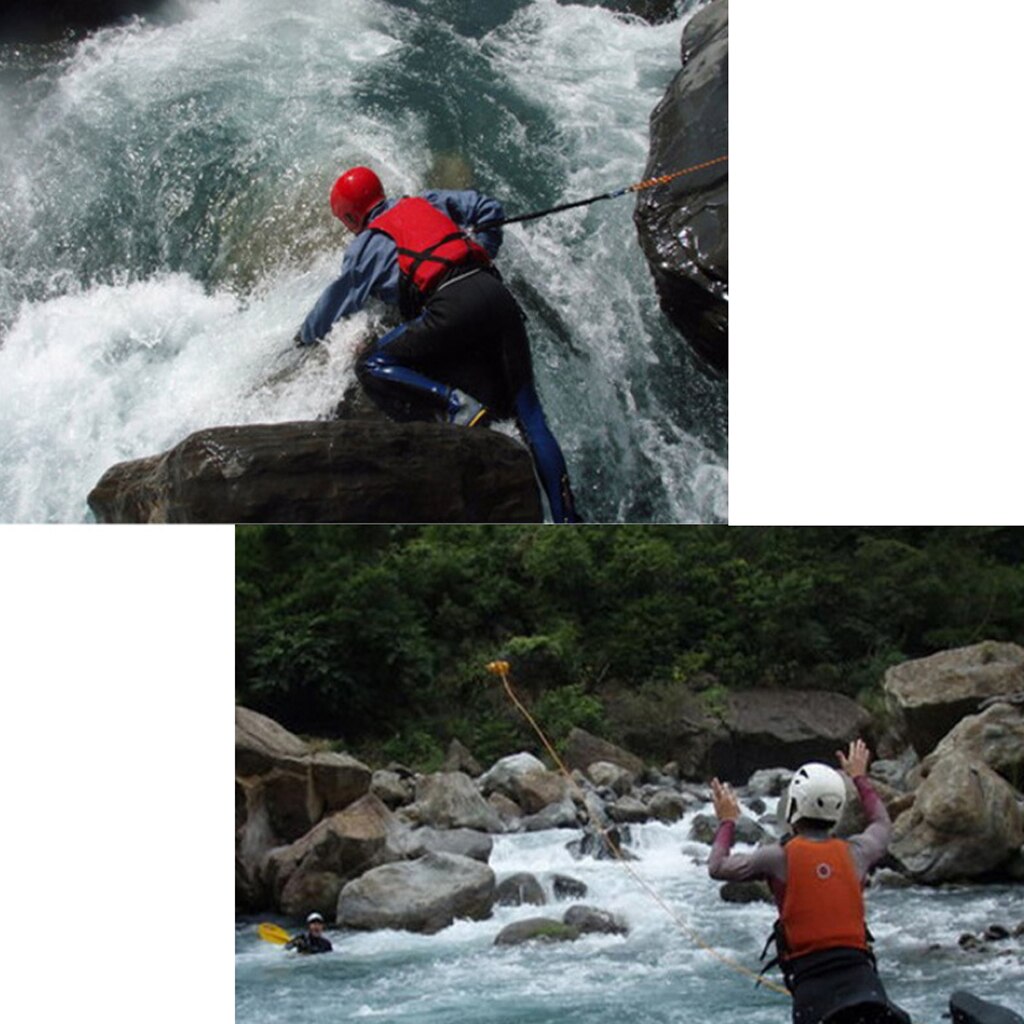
[[868, 847], [769, 862]]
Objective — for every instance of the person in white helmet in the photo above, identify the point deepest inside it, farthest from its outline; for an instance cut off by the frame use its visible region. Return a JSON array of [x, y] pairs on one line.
[[824, 946], [313, 939]]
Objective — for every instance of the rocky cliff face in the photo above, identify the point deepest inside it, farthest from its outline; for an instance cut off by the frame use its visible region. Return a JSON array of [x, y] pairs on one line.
[[683, 226], [347, 471]]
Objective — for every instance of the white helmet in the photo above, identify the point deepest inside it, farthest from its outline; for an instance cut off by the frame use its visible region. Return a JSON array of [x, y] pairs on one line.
[[816, 791], [314, 917]]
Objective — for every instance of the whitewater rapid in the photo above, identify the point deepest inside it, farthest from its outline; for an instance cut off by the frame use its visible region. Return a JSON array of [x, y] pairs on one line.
[[655, 975], [164, 230]]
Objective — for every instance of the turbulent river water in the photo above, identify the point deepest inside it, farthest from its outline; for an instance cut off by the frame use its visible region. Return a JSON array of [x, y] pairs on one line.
[[164, 229], [655, 975]]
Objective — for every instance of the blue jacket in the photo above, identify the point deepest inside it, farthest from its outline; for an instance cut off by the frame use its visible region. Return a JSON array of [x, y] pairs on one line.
[[370, 265]]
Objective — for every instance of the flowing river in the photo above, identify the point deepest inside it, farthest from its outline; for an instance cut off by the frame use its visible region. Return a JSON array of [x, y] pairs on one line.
[[655, 975], [164, 229]]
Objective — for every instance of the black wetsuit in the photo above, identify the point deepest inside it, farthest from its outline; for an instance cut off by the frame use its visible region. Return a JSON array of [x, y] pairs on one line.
[[307, 943]]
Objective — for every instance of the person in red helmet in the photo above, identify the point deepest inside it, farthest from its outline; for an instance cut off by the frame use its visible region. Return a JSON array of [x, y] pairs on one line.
[[461, 354]]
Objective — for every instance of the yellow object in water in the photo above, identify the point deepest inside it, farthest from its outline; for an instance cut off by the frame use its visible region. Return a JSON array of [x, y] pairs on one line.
[[272, 933]]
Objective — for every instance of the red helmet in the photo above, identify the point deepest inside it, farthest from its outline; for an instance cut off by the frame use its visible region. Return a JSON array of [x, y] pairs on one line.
[[354, 195]]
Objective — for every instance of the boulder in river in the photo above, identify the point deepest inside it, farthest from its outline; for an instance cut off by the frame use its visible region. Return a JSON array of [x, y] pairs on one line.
[[565, 887], [560, 815], [629, 810], [930, 695], [965, 823], [615, 777], [683, 226], [582, 749], [518, 889], [536, 929], [994, 736], [308, 874], [466, 842], [423, 895], [451, 800], [784, 728], [591, 920], [501, 776], [668, 806], [746, 892], [349, 471]]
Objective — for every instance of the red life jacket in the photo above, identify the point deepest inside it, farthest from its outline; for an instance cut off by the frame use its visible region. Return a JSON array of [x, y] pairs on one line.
[[824, 905], [429, 244]]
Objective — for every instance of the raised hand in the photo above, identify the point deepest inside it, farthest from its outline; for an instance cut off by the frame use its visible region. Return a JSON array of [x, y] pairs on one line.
[[855, 761], [727, 807]]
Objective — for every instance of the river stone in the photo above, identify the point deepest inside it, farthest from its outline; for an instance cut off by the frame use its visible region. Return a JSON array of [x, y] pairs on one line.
[[769, 781], [591, 920], [560, 815], [423, 895], [565, 887], [350, 471], [501, 776], [451, 800], [994, 737], [601, 845], [342, 845], [784, 728], [459, 759], [683, 226], [518, 889], [629, 810], [703, 828], [930, 695], [391, 788], [668, 806], [508, 810], [536, 929], [466, 842], [535, 790], [745, 892], [964, 823], [606, 774], [582, 749], [338, 780], [261, 743]]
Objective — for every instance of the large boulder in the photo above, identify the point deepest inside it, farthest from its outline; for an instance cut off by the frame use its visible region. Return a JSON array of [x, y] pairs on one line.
[[994, 737], [683, 226], [930, 695], [502, 775], [261, 743], [350, 471], [308, 874], [592, 920], [965, 823], [423, 895], [392, 788], [612, 776], [466, 842], [533, 791], [518, 889], [536, 929], [451, 800], [769, 728], [582, 749]]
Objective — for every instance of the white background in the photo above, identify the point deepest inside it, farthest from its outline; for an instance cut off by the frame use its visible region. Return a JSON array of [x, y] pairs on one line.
[[876, 227]]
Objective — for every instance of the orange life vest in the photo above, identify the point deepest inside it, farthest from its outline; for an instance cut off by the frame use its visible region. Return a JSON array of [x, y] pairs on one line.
[[429, 244], [824, 905]]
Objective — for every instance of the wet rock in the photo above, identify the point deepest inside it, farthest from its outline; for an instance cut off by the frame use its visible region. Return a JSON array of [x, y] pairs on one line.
[[756, 805], [566, 887], [930, 695], [994, 736], [784, 728], [508, 810], [995, 933], [519, 889], [964, 823], [308, 874], [423, 895], [560, 815], [668, 806], [355, 471], [769, 782], [615, 777], [536, 929], [466, 842], [591, 920], [459, 759], [582, 749], [606, 845], [703, 828], [451, 800], [683, 226], [745, 892], [629, 810]]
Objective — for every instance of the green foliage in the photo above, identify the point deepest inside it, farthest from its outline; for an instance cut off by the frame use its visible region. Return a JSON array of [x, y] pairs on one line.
[[378, 636]]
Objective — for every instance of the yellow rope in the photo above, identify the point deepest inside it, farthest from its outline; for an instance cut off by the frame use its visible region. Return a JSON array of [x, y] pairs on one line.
[[666, 178], [501, 668]]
